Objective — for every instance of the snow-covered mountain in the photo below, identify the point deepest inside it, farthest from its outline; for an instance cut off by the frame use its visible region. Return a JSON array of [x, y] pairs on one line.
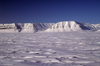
[[8, 28], [35, 27], [64, 26], [72, 26], [24, 27]]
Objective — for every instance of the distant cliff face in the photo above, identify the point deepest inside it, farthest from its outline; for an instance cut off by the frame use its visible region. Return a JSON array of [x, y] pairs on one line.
[[48, 27]]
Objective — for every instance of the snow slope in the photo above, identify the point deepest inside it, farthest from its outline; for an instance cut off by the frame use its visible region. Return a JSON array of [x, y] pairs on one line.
[[98, 30], [64, 26], [96, 26], [35, 27]]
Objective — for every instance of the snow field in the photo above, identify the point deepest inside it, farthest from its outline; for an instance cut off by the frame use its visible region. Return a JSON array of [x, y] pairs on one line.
[[50, 49]]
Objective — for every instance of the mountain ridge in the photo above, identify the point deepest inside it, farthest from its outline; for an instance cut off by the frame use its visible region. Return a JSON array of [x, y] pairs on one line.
[[63, 26]]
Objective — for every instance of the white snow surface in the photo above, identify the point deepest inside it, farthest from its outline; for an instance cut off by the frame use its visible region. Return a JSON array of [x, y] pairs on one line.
[[50, 49], [64, 26]]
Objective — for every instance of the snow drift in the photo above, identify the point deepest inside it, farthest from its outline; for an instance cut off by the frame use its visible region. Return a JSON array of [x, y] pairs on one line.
[[64, 26]]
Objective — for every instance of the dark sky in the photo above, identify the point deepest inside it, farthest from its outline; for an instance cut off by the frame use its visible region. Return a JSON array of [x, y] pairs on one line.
[[48, 11]]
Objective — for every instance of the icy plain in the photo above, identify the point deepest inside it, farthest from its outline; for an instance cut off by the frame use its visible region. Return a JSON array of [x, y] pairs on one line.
[[50, 49]]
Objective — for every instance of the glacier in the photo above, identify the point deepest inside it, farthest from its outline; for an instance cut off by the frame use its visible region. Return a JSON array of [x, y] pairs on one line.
[[63, 26]]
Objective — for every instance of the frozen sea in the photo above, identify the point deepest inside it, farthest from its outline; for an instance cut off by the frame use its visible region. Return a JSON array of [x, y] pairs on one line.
[[50, 49]]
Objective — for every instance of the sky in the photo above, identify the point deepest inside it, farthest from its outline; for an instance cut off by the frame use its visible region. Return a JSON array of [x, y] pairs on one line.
[[49, 11]]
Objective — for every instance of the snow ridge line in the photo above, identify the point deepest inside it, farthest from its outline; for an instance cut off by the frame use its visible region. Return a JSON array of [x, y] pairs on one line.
[[48, 27]]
